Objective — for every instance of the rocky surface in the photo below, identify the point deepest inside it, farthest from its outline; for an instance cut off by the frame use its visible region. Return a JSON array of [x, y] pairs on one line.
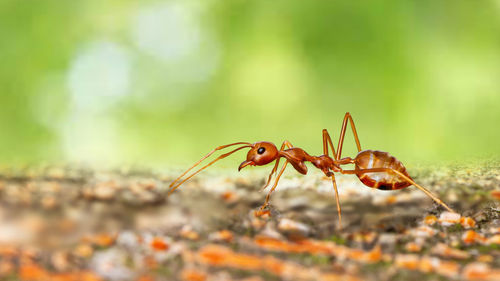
[[60, 223]]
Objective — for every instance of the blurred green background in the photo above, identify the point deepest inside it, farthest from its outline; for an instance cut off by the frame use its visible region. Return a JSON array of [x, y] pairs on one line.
[[163, 82]]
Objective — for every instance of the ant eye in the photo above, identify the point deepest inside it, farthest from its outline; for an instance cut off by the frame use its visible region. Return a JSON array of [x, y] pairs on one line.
[[261, 150]]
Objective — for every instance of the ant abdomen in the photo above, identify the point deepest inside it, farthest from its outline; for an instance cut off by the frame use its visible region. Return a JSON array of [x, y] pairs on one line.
[[370, 159]]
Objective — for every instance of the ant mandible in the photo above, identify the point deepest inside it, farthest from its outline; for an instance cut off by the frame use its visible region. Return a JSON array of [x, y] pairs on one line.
[[374, 168]]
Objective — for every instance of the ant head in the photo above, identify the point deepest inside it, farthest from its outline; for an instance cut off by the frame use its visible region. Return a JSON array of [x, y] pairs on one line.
[[260, 154]]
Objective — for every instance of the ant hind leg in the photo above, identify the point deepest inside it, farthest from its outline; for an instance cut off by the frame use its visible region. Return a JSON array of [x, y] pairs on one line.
[[342, 134]]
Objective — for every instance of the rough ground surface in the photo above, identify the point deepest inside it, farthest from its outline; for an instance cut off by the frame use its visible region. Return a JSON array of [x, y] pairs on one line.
[[77, 224]]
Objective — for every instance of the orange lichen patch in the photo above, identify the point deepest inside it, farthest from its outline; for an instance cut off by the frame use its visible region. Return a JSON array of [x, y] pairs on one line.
[[221, 256], [150, 262], [447, 268], [193, 275], [319, 247], [448, 252], [32, 272], [74, 276], [63, 277], [430, 220], [158, 244], [413, 247], [8, 251], [145, 278], [188, 233], [28, 255], [485, 258], [215, 255], [423, 231], [223, 235], [274, 265], [252, 278], [83, 250], [407, 261], [274, 244], [229, 196], [299, 246], [6, 268], [60, 260], [480, 271], [258, 223], [495, 194], [427, 264], [471, 236], [373, 256], [335, 277], [449, 218], [188, 257], [467, 222], [245, 261], [101, 240]]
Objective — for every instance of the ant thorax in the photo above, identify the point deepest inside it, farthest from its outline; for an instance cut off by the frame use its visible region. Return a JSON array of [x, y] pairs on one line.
[[325, 164]]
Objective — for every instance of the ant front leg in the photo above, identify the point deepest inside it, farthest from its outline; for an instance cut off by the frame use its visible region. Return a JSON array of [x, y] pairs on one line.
[[342, 134], [268, 196], [275, 168]]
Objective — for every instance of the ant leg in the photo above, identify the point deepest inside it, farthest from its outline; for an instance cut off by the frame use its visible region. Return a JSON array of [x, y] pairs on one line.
[[328, 141], [409, 180], [342, 134], [174, 185], [338, 201], [268, 196], [275, 168]]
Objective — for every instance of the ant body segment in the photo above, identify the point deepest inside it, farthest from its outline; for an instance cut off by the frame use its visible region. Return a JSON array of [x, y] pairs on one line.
[[375, 169]]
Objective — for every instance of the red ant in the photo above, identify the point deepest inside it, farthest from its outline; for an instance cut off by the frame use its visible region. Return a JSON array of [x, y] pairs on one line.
[[375, 169]]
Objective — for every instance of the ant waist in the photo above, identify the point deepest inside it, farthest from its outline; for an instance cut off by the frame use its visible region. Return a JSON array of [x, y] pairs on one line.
[[325, 163]]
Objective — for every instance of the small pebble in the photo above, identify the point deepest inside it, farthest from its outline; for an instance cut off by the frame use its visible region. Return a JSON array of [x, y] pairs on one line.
[[448, 218], [188, 233], [290, 226], [413, 247], [430, 220]]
